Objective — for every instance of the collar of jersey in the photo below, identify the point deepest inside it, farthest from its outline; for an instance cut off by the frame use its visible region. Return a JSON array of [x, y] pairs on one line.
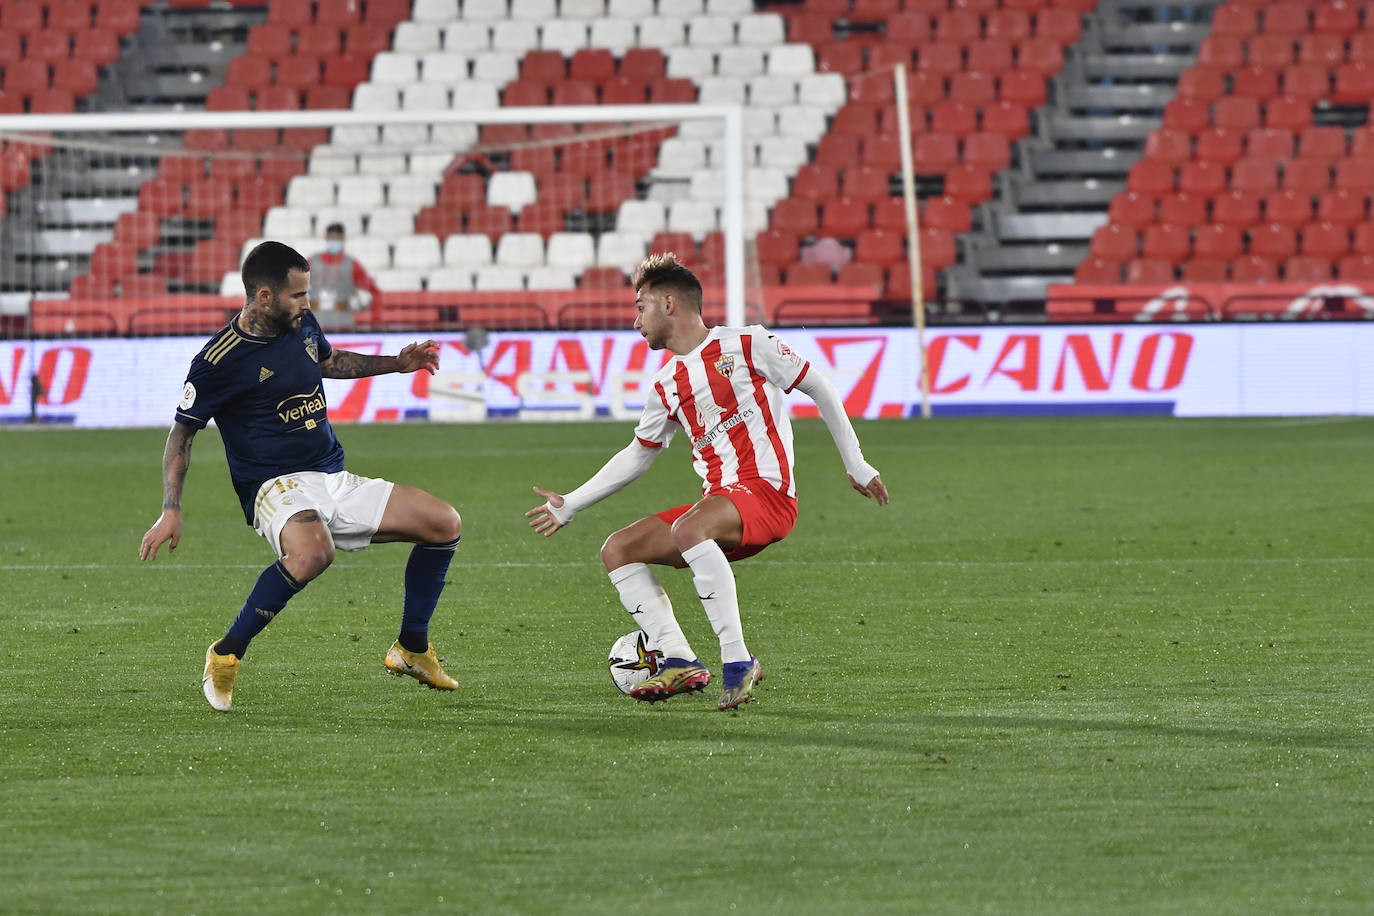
[[238, 329]]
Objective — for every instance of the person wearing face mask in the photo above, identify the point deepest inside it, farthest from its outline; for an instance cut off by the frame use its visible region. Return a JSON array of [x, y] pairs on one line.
[[336, 279]]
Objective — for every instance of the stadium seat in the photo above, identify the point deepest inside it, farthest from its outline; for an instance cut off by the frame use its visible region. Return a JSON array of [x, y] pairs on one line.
[[1218, 242], [1236, 112], [969, 183], [844, 217], [1342, 206], [1206, 179], [1096, 269], [1325, 240], [1167, 243], [1183, 209], [1273, 241], [1149, 270], [1204, 270], [1307, 269], [1308, 176], [1236, 208], [1114, 243], [1151, 177], [1359, 267], [1169, 145], [1132, 208], [948, 213]]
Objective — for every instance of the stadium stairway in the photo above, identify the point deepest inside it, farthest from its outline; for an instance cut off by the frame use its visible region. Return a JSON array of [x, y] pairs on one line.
[[1263, 166]]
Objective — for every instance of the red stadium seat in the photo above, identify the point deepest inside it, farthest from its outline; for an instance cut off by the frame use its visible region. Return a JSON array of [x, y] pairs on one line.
[[1287, 18], [1217, 241], [843, 57], [1325, 240], [1307, 269], [277, 98], [888, 55], [1361, 48], [300, 140], [1059, 24], [1308, 176], [49, 46], [1222, 53], [1288, 113], [118, 16], [69, 15], [1043, 55], [1151, 177], [1024, 87], [596, 65], [643, 64], [255, 196], [298, 72], [809, 275], [881, 151], [184, 169], [991, 55], [1324, 143], [1149, 270], [815, 29], [338, 13], [973, 88], [1254, 268], [366, 40], [345, 71], [1204, 270], [1354, 83], [269, 42], [1321, 50], [1114, 243], [26, 77], [113, 259], [672, 91], [1203, 83], [815, 183], [1169, 145], [798, 217], [880, 246], [970, 183], [543, 67], [1235, 20], [1255, 175], [1183, 209], [160, 196], [988, 151], [1236, 208], [142, 286], [1221, 145], [949, 213], [1268, 143], [1204, 178], [945, 59], [249, 72], [1011, 25], [1236, 112], [52, 101], [1270, 51], [1187, 114], [864, 183], [860, 274], [79, 77], [1356, 267], [1355, 174], [1132, 209], [889, 213], [1098, 270], [386, 13], [574, 92], [1337, 18], [958, 28], [227, 98], [318, 40], [1364, 239], [1308, 82], [99, 46], [290, 14], [138, 230], [1273, 241], [1288, 208], [1006, 117], [844, 217], [1167, 243], [855, 120], [1342, 206]]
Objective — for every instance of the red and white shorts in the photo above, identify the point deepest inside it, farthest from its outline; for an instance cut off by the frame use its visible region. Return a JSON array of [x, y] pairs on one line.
[[768, 515]]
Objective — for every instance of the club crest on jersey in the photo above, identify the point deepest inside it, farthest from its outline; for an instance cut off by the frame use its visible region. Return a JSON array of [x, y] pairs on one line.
[[312, 348], [726, 364]]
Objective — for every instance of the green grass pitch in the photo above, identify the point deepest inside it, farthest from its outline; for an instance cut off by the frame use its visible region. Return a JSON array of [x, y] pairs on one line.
[[1078, 666]]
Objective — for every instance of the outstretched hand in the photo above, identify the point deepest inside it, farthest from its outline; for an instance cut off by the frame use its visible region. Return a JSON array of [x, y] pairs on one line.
[[166, 528], [875, 489], [419, 356], [541, 519]]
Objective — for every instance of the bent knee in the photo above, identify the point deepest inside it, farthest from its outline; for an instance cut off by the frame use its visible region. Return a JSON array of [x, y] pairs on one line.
[[686, 533], [306, 564], [446, 526], [615, 553]]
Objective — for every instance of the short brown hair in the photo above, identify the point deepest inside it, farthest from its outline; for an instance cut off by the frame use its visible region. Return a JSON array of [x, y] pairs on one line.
[[663, 272]]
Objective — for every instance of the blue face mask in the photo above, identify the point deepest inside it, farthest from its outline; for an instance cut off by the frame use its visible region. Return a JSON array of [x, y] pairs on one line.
[[333, 246]]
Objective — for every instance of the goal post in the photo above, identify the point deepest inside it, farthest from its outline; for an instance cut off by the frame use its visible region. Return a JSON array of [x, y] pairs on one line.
[[430, 152]]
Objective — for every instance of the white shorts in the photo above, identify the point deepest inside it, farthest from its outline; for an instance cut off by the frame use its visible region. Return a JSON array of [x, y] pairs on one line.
[[350, 506]]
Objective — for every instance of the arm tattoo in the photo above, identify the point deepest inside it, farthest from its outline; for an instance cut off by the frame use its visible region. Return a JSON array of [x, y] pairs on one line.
[[347, 364], [176, 459]]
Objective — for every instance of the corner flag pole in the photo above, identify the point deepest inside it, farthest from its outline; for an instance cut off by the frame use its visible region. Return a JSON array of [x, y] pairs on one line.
[[913, 233]]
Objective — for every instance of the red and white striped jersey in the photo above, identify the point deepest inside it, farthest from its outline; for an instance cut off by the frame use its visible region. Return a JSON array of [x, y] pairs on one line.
[[727, 395]]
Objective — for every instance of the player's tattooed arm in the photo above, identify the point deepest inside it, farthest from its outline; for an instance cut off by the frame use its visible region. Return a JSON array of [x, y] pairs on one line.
[[176, 460], [347, 364]]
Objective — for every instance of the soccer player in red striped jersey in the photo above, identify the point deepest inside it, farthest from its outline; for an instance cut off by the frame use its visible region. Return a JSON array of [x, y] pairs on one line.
[[724, 388]]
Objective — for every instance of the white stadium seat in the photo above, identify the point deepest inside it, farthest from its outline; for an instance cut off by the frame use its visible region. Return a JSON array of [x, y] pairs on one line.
[[350, 218], [766, 184], [495, 67], [795, 60], [565, 35], [788, 153], [581, 9], [805, 121], [395, 67], [511, 189], [615, 35], [739, 62], [417, 252], [710, 32], [515, 36], [551, 278], [695, 216], [467, 251], [630, 10], [680, 156], [309, 192], [355, 135], [690, 63], [333, 161], [772, 91], [232, 285], [476, 96], [534, 10], [399, 280], [681, 8], [707, 183], [571, 250], [520, 249], [641, 217], [618, 249], [762, 30], [430, 162], [286, 221], [466, 37], [485, 10], [361, 191], [425, 97], [457, 137], [499, 278], [729, 7], [434, 10], [413, 191], [382, 163], [391, 223], [662, 33], [447, 68], [824, 90], [405, 136], [373, 254], [721, 90], [450, 279], [376, 97], [415, 38]]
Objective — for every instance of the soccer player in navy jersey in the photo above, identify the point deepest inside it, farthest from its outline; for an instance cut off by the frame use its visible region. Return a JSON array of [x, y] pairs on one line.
[[259, 379]]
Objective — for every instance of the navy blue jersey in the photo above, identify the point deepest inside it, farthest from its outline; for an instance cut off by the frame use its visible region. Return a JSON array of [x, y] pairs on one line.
[[265, 395]]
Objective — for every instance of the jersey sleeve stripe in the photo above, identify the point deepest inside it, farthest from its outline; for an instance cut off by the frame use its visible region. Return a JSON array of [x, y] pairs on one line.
[[806, 367], [647, 444]]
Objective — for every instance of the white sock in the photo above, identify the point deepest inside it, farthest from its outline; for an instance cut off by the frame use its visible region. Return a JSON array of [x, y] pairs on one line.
[[650, 609], [715, 583]]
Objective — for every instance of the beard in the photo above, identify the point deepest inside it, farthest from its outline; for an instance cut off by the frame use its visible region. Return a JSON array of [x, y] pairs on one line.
[[281, 320]]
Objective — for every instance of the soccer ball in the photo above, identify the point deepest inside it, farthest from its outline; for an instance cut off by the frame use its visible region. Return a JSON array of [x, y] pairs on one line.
[[632, 662]]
